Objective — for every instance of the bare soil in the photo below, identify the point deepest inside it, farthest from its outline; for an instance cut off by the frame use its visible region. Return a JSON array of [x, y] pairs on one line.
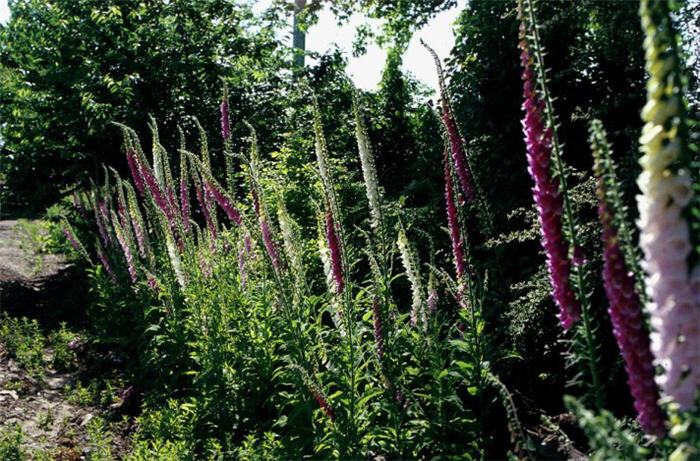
[[45, 287]]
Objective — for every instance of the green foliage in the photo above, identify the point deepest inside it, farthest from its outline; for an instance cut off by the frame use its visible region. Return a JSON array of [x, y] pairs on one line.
[[63, 343], [11, 443], [70, 67], [23, 340]]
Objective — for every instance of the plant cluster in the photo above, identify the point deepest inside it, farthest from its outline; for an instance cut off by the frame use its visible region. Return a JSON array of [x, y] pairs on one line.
[[258, 332]]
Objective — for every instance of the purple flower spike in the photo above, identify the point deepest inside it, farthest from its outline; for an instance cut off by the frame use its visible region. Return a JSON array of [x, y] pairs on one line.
[[628, 324], [225, 124], [458, 152], [548, 198], [205, 211], [135, 171], [225, 203], [69, 235], [269, 244], [453, 223], [106, 265], [185, 204], [335, 251]]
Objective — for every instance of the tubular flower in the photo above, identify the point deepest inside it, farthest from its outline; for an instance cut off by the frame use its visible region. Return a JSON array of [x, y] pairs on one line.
[[225, 124], [457, 150], [105, 263], [369, 170], [135, 171], [185, 203], [291, 242], [453, 223], [432, 300], [205, 211], [547, 195], [409, 263], [265, 230], [335, 251], [126, 247], [100, 225], [160, 197], [458, 153], [666, 186], [378, 331], [325, 255], [71, 238], [628, 325], [137, 222], [224, 202], [269, 244]]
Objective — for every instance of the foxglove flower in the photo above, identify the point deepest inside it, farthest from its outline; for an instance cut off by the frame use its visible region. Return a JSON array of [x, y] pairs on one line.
[[409, 263], [453, 223], [628, 324], [71, 238], [225, 123], [100, 224], [135, 171], [325, 255], [126, 248], [548, 197], [666, 186], [137, 222], [335, 251], [205, 209], [291, 240], [224, 202], [459, 156], [265, 231], [269, 244], [105, 263], [369, 170], [432, 300], [185, 204]]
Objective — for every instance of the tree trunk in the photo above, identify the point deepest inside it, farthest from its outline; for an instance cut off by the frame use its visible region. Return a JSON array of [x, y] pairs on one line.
[[298, 38]]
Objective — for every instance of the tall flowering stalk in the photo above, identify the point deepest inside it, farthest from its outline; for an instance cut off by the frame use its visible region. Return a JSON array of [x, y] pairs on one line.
[[105, 262], [459, 155], [666, 185], [69, 233], [548, 197], [551, 195], [625, 307], [369, 170], [291, 239], [137, 221], [408, 260], [199, 193], [184, 185], [335, 251], [125, 243], [225, 120], [453, 223], [136, 174]]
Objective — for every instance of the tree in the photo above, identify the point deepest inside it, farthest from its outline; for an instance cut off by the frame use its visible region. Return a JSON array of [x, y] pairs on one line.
[[68, 68]]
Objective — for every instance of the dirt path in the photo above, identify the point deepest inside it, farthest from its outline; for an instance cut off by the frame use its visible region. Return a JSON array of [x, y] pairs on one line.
[[54, 422]]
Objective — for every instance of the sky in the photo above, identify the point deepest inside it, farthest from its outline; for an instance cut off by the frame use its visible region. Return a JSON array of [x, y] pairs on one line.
[[365, 70]]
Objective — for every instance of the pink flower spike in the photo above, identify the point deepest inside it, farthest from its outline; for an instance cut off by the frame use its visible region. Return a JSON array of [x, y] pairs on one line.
[[548, 198], [335, 251]]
